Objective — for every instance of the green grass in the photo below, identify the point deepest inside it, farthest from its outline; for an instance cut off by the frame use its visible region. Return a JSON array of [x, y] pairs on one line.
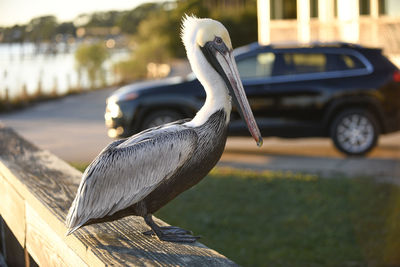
[[79, 165], [289, 219], [286, 219]]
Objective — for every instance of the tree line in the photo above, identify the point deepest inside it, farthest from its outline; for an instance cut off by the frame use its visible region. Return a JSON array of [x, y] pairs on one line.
[[157, 33], [161, 19], [153, 30]]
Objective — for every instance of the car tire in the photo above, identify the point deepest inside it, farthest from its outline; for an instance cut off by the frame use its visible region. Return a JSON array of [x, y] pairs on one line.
[[355, 131], [160, 117]]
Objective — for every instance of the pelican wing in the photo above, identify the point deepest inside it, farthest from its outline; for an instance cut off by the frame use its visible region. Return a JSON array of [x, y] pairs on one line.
[[126, 171]]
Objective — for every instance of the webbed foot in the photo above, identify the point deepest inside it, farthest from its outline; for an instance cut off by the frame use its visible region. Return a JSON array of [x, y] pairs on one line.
[[172, 230], [169, 233], [179, 238]]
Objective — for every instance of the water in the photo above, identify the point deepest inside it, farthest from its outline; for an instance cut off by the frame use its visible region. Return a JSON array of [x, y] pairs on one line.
[[26, 66]]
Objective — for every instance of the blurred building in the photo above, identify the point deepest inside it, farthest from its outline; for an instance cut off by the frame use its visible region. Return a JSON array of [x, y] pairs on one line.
[[373, 23]]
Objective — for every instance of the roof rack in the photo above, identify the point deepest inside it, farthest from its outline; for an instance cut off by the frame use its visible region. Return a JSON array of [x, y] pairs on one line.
[[288, 44]]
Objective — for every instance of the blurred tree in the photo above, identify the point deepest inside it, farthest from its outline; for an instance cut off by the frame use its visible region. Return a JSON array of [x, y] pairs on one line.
[[242, 26], [129, 20], [164, 25], [103, 19], [240, 20], [158, 33], [189, 7], [90, 57], [13, 34], [239, 16], [41, 28], [148, 23], [66, 28]]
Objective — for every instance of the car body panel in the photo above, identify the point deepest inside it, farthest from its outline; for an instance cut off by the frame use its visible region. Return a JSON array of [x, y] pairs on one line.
[[286, 102]]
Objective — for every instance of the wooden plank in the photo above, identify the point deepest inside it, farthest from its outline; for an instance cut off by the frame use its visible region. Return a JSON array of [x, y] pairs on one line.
[[48, 186], [12, 209], [45, 246]]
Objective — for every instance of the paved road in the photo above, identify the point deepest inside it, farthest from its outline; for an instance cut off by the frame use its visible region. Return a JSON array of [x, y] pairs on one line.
[[73, 129]]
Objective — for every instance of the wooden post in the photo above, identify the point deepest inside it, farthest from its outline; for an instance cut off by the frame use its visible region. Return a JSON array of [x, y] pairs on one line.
[[326, 10], [326, 17], [374, 26], [348, 15], [374, 9], [263, 15], [303, 21], [37, 188]]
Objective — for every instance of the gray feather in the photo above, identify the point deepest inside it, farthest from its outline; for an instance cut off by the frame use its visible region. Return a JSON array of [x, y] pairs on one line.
[[126, 171]]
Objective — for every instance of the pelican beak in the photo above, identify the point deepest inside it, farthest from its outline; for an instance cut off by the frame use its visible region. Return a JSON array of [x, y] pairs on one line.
[[222, 60]]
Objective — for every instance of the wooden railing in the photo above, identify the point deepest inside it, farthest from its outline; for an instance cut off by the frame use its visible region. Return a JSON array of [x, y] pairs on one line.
[[36, 190]]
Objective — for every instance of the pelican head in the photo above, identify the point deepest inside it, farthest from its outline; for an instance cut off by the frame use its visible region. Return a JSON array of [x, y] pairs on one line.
[[209, 50]]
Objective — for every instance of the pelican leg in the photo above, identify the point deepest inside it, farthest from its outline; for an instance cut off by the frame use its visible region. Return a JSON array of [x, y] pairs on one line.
[[169, 233]]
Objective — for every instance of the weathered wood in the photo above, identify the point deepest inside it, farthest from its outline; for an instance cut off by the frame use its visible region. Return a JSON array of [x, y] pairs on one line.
[[12, 209], [47, 249], [40, 188], [12, 251]]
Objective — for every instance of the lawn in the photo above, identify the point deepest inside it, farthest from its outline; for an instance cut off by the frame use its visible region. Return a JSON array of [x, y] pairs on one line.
[[289, 219]]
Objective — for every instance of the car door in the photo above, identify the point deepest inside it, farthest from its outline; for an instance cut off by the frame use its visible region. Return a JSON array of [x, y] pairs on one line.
[[255, 69], [281, 89], [303, 82], [298, 84]]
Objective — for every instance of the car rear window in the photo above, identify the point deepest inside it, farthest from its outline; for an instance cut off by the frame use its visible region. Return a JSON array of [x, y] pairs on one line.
[[269, 64]]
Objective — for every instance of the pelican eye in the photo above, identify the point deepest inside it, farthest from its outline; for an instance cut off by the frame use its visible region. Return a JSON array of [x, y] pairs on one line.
[[218, 40]]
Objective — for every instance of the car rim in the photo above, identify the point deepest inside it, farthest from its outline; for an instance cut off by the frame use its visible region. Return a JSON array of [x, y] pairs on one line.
[[160, 121], [355, 133]]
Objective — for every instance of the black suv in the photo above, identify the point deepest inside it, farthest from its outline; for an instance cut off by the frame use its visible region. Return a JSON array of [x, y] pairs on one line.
[[344, 91]]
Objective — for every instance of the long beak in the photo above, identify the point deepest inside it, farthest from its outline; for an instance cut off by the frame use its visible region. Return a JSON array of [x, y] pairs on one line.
[[235, 86], [224, 63]]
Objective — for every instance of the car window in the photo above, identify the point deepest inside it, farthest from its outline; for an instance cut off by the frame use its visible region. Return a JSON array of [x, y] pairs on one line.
[[338, 62], [302, 63], [258, 66], [352, 62], [298, 63], [265, 65]]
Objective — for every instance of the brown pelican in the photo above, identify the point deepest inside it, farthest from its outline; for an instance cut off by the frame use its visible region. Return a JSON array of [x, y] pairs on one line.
[[140, 174]]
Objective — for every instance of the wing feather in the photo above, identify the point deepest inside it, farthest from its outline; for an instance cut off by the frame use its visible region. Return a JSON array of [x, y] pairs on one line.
[[126, 171]]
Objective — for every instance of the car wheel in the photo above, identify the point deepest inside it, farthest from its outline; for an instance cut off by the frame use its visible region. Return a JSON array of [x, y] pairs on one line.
[[159, 118], [355, 131]]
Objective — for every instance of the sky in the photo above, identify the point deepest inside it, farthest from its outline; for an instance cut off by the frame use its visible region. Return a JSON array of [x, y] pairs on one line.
[[22, 11]]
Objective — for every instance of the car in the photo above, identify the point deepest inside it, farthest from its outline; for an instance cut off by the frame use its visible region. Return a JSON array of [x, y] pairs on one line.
[[344, 91]]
